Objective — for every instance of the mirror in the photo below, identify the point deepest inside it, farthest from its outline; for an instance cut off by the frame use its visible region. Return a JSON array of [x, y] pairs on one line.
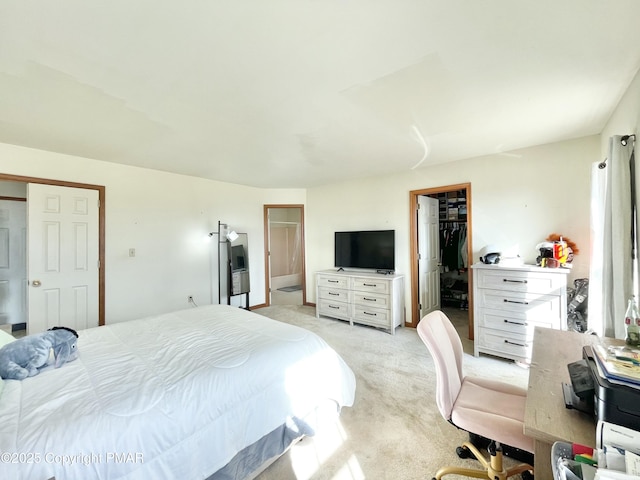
[[238, 255]]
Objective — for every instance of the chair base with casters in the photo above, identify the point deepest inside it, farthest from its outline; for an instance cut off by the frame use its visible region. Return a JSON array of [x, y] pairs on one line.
[[484, 407], [492, 469], [482, 443]]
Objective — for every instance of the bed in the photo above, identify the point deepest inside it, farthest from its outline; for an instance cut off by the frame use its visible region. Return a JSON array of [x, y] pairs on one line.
[[210, 392]]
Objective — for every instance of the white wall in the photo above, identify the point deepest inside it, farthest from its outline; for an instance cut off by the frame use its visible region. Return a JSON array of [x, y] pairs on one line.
[[13, 189], [166, 218], [517, 200], [625, 118]]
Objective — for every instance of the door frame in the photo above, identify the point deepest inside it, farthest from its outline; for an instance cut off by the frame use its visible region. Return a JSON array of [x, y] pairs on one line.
[[267, 272], [101, 226], [413, 249]]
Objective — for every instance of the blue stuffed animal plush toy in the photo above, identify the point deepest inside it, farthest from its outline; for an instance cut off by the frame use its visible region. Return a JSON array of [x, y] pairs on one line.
[[26, 356]]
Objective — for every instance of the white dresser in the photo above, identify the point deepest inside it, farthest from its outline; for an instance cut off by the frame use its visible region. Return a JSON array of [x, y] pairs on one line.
[[367, 298], [509, 302]]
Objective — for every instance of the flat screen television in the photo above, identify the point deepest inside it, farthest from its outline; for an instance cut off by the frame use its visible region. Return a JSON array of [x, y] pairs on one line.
[[370, 249], [238, 258]]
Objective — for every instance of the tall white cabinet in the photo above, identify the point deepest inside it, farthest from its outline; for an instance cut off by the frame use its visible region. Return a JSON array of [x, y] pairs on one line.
[[509, 302], [360, 297]]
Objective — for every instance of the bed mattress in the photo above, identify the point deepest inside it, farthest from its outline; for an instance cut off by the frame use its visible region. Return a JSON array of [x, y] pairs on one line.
[[171, 396]]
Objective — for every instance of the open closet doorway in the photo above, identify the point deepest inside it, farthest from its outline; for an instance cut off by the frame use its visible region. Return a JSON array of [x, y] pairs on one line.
[[62, 244], [441, 254], [284, 255]]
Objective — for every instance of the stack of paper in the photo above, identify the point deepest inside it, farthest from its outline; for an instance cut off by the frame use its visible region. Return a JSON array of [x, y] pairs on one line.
[[618, 451], [611, 475], [619, 364]]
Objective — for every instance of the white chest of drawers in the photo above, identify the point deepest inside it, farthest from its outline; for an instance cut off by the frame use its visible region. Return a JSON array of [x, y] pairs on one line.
[[509, 302], [366, 298]]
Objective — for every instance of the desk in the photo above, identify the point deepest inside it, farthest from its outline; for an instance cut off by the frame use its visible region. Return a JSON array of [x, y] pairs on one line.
[[546, 418]]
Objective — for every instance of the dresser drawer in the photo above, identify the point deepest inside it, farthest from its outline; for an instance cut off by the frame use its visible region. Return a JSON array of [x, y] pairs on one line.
[[334, 309], [371, 299], [531, 304], [532, 282], [333, 294], [378, 317], [333, 281], [505, 345], [513, 322], [370, 285]]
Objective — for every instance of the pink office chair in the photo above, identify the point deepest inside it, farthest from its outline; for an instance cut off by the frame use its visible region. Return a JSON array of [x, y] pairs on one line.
[[483, 407]]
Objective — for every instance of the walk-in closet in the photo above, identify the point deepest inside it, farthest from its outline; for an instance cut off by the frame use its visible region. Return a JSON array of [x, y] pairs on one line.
[[454, 261]]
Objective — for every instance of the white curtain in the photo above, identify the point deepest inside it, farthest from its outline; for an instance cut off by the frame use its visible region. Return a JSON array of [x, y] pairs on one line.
[[611, 278], [296, 266]]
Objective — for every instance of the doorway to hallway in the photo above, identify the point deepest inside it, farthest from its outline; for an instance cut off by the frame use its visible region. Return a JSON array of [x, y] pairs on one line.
[[284, 255]]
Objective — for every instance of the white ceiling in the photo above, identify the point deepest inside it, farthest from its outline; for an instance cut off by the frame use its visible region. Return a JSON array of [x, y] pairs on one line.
[[306, 92]]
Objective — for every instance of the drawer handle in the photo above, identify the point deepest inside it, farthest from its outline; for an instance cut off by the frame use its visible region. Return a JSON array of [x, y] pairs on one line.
[[515, 301], [333, 281], [514, 343], [372, 314], [525, 324], [334, 294], [513, 281], [370, 284], [335, 308], [370, 299]]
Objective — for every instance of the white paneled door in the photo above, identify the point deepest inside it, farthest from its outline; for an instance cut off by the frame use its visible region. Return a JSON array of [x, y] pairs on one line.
[[428, 254], [63, 268]]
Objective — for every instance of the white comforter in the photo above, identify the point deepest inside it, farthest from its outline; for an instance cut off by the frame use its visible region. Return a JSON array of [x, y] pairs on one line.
[[174, 396]]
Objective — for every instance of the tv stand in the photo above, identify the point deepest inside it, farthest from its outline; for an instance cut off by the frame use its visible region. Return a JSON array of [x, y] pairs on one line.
[[366, 298]]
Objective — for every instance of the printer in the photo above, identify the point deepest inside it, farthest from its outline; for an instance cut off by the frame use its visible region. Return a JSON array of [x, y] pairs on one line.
[[613, 402]]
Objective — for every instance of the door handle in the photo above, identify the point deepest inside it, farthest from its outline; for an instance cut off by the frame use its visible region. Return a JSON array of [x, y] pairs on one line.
[[36, 283]]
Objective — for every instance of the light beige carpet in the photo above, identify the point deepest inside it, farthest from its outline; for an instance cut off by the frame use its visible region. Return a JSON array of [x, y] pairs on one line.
[[394, 430]]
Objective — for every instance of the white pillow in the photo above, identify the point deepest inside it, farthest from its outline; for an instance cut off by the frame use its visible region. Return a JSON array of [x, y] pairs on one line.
[[5, 338]]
